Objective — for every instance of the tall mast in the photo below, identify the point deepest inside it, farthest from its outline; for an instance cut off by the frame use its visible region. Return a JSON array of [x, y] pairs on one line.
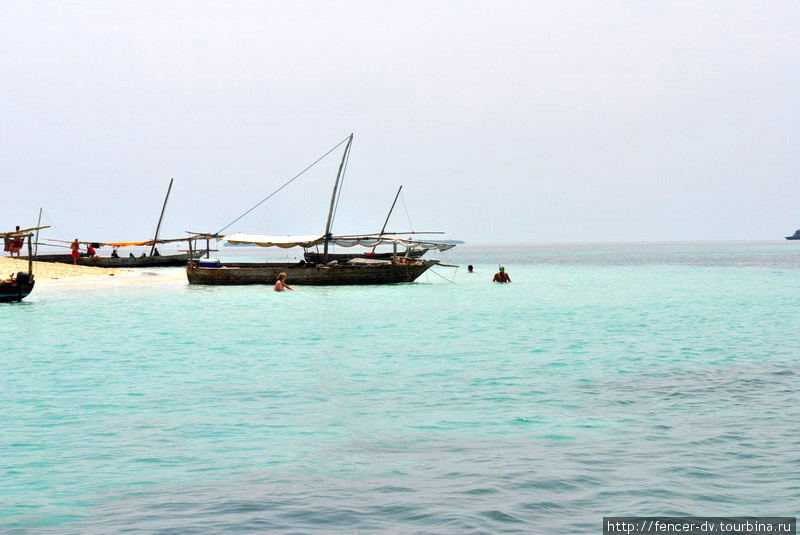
[[333, 199], [388, 216], [161, 217]]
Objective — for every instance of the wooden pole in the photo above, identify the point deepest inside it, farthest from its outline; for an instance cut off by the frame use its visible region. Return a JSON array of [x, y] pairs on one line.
[[39, 222], [30, 257], [333, 199], [161, 217], [208, 248], [388, 216]]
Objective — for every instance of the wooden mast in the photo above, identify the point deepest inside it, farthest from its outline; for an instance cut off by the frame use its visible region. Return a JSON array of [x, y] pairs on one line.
[[30, 256], [333, 200], [158, 227], [388, 216], [39, 222]]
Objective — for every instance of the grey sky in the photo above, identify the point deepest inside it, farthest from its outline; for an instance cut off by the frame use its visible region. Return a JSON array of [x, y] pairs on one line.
[[505, 121]]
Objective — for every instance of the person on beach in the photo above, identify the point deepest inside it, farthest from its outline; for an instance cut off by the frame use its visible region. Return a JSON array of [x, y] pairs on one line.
[[115, 252], [90, 251], [469, 269], [16, 244], [281, 285], [76, 251], [501, 276]]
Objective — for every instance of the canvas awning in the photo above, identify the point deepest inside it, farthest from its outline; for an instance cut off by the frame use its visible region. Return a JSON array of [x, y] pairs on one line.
[[342, 241], [124, 243], [274, 241]]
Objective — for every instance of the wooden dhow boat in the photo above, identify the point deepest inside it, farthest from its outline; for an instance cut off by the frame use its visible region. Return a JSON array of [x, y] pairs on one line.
[[323, 269], [332, 273], [411, 251], [17, 287], [153, 259]]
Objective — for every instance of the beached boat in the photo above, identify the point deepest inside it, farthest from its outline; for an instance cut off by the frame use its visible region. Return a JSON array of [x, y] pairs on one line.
[[323, 269], [115, 260], [123, 262], [17, 287]]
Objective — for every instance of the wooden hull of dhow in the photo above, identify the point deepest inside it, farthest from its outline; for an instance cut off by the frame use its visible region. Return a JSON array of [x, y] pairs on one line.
[[13, 292], [121, 262], [336, 275]]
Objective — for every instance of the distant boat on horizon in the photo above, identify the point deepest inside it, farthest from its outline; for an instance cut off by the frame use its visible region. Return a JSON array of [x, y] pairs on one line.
[[795, 236]]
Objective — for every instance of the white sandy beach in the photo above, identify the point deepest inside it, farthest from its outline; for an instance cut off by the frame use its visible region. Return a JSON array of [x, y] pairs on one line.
[[54, 274]]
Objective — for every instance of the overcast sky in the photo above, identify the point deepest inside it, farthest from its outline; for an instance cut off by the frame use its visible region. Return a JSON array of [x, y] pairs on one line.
[[505, 121]]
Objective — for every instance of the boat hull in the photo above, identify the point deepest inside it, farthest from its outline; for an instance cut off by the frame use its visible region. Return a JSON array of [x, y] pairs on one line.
[[13, 292], [344, 257], [122, 262], [336, 275]]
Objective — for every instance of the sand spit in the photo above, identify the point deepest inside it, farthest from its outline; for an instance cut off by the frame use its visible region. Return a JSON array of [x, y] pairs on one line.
[[54, 274]]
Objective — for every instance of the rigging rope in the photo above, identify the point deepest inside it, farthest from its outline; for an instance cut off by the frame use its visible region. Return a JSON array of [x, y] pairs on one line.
[[286, 184], [406, 209], [53, 225], [442, 276]]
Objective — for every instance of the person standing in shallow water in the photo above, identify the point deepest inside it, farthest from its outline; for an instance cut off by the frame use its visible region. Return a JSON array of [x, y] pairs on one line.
[[469, 269], [501, 276], [281, 285]]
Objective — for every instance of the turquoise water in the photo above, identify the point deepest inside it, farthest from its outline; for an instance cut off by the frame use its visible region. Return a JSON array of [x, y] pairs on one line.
[[607, 379]]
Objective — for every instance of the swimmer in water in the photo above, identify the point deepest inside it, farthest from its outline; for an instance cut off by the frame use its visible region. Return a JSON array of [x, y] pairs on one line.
[[501, 276], [281, 285]]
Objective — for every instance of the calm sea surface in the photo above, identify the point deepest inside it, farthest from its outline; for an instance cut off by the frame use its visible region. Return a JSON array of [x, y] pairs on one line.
[[624, 379]]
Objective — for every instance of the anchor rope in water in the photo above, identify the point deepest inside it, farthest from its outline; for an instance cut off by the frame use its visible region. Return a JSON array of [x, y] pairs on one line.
[[298, 175], [442, 276]]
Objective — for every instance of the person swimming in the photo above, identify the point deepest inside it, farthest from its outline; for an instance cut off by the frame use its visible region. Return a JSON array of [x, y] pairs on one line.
[[501, 276], [280, 284]]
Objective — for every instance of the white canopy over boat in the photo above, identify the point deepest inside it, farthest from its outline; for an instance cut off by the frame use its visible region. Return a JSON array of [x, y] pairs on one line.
[[342, 241]]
